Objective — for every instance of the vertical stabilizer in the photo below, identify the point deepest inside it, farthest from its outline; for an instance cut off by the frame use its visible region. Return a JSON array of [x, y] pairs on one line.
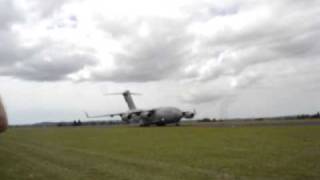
[[127, 96]]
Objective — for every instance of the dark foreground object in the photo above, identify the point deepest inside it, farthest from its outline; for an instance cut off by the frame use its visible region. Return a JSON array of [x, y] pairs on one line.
[[3, 118]]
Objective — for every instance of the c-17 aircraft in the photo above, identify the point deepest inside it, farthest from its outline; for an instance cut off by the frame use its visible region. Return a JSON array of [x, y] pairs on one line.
[[3, 118], [158, 116]]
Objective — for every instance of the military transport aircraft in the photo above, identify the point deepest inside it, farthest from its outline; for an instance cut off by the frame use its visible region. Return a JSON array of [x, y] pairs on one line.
[[3, 118], [158, 116]]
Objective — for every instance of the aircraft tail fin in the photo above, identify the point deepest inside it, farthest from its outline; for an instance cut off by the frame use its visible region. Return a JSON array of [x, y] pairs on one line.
[[128, 98]]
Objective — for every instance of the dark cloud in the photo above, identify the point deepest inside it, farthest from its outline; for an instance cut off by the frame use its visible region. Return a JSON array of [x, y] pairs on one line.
[[160, 55], [11, 50], [41, 62], [166, 47], [119, 27], [291, 33], [288, 33], [45, 63], [47, 8], [38, 69], [9, 14]]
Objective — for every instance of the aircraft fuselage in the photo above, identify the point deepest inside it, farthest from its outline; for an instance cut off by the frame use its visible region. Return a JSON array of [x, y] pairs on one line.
[[159, 116], [164, 115]]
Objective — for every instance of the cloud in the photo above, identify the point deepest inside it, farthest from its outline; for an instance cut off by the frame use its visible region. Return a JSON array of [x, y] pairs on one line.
[[37, 69], [45, 63], [216, 41], [246, 80], [45, 9], [45, 60], [158, 49], [9, 14], [199, 42], [254, 46]]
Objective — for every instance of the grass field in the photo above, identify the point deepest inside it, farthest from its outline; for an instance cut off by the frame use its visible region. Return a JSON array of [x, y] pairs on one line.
[[161, 153]]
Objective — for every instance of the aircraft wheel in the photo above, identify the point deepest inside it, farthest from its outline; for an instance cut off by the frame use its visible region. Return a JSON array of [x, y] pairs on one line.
[[161, 124]]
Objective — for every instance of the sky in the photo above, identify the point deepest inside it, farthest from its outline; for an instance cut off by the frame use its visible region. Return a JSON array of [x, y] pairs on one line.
[[226, 59]]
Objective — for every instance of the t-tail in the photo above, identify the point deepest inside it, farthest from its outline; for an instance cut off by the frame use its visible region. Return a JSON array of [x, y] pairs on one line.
[[128, 98]]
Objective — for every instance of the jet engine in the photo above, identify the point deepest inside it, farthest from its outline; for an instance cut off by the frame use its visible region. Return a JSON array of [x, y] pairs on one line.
[[188, 114], [125, 118], [131, 118], [145, 115]]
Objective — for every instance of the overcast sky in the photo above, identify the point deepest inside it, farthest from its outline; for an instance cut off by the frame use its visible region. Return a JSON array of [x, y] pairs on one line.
[[243, 58]]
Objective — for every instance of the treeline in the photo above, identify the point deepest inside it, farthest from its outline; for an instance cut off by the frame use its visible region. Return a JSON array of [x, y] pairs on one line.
[[309, 116], [292, 117]]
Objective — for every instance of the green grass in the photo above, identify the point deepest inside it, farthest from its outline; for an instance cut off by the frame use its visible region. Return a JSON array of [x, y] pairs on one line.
[[161, 153]]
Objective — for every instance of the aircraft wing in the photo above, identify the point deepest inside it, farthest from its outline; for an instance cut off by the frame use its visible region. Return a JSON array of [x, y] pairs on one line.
[[103, 115], [130, 113]]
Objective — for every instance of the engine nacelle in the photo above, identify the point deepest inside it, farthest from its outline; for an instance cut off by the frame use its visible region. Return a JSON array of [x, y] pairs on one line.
[[145, 115], [131, 118], [188, 115], [125, 118]]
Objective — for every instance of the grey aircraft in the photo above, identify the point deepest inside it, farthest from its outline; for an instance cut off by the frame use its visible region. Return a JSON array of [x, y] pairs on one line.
[[157, 116]]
